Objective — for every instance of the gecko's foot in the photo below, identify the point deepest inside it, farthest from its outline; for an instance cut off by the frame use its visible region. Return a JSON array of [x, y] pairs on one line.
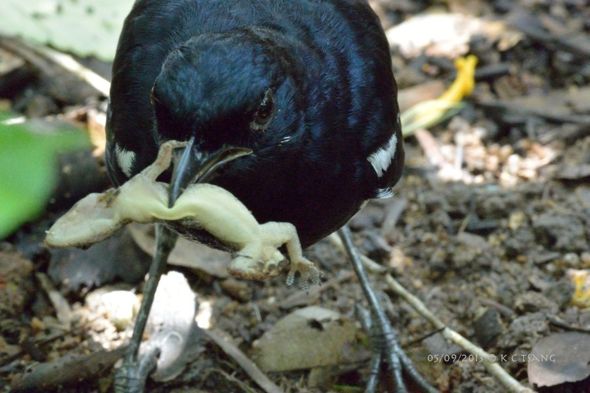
[[246, 267], [304, 273]]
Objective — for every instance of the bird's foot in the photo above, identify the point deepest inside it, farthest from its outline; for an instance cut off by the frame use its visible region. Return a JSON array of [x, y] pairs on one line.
[[386, 347], [304, 273], [393, 358], [388, 352], [132, 375]]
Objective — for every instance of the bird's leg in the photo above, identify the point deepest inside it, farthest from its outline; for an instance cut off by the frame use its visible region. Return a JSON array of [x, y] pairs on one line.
[[389, 347], [367, 323], [133, 373]]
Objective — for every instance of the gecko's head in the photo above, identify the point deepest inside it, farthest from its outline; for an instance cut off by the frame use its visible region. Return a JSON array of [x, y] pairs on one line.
[[90, 220]]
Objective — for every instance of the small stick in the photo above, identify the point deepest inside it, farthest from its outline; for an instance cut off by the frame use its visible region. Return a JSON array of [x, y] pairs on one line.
[[394, 212], [370, 264], [70, 64], [36, 55], [225, 343], [60, 304], [520, 113], [556, 321], [303, 297], [431, 148], [67, 370]]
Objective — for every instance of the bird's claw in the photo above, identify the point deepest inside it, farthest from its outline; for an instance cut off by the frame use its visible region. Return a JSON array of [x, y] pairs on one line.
[[304, 273], [132, 375]]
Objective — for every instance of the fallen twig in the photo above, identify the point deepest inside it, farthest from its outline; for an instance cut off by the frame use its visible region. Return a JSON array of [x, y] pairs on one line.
[[532, 27], [502, 309], [488, 360], [6, 360], [556, 321], [414, 95], [369, 263], [38, 342], [393, 214], [518, 115], [62, 308], [431, 148], [69, 63], [66, 370], [303, 297], [38, 55], [225, 343], [241, 384]]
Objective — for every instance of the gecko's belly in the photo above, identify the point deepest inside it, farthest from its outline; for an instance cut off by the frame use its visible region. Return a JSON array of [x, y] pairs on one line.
[[191, 230]]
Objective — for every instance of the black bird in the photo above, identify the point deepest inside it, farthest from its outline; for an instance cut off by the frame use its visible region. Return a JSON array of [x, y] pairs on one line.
[[306, 85]]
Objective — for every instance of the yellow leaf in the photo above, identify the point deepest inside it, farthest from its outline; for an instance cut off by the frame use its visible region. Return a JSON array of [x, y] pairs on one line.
[[581, 281], [428, 113], [464, 82]]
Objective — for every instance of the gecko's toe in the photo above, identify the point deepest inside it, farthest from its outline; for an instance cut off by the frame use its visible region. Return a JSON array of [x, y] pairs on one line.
[[170, 145], [271, 269], [304, 274], [246, 267]]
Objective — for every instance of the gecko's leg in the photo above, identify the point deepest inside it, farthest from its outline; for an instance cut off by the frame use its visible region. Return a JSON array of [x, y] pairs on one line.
[[279, 233], [163, 160]]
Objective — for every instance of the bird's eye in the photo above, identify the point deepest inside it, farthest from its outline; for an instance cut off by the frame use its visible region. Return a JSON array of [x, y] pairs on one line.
[[264, 113]]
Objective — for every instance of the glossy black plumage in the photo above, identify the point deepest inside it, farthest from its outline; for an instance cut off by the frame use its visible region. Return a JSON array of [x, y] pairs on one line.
[[201, 67]]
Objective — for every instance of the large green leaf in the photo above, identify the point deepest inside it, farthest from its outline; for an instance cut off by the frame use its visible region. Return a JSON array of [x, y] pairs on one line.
[[84, 27], [28, 171]]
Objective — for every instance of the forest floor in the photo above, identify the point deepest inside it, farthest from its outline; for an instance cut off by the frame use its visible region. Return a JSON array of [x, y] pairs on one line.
[[489, 227]]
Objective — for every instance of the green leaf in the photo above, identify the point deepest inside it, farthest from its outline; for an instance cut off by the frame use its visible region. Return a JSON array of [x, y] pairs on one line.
[[84, 27], [28, 171]]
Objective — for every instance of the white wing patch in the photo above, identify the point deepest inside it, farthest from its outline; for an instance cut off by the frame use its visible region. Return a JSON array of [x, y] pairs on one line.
[[125, 159], [381, 159]]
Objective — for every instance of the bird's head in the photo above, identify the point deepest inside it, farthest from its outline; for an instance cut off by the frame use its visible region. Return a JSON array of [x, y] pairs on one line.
[[229, 95]]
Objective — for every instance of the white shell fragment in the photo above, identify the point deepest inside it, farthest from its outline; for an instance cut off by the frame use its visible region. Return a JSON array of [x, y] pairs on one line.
[[142, 199], [172, 328]]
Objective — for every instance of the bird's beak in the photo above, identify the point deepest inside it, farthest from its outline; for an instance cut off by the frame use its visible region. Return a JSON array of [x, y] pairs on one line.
[[191, 165]]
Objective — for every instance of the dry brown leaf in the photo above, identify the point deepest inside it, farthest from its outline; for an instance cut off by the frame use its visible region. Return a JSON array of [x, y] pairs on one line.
[[560, 358], [186, 253], [307, 338]]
